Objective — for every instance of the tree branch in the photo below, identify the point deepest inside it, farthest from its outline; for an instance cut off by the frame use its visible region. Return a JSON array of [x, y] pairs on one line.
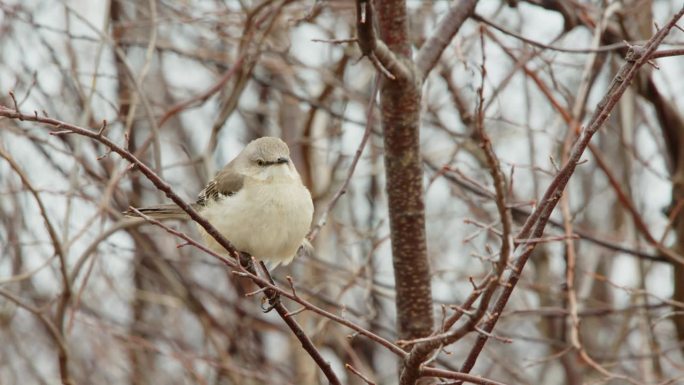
[[65, 298], [384, 60], [97, 135], [343, 188], [446, 30], [536, 222], [441, 373]]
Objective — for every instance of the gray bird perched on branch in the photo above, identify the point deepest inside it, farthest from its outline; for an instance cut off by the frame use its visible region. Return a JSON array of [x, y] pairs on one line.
[[257, 201]]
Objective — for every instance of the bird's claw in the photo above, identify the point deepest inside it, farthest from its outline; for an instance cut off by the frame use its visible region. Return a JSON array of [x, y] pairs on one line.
[[272, 300]]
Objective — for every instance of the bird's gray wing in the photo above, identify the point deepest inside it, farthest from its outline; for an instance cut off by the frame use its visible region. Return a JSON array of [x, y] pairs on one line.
[[226, 183]]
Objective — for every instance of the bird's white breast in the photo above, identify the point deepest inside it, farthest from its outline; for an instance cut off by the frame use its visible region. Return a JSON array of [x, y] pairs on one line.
[[268, 218]]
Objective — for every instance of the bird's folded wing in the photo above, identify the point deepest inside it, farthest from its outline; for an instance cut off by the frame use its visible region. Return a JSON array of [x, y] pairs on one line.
[[226, 183]]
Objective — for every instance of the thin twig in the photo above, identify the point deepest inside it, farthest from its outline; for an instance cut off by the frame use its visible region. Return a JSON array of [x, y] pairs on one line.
[[536, 223], [65, 298], [465, 377], [605, 48], [352, 167], [361, 375], [242, 272], [587, 235], [168, 191], [14, 102], [203, 96]]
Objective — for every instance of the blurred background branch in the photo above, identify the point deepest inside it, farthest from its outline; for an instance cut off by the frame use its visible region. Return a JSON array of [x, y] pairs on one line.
[[415, 236]]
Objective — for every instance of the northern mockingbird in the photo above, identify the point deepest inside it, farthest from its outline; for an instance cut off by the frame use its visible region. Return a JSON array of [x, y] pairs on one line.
[[257, 201]]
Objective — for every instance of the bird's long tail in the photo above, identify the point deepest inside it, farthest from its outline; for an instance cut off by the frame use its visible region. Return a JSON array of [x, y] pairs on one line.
[[167, 211]]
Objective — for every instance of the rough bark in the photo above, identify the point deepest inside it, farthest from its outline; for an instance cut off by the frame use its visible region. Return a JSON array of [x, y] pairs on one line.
[[400, 104], [400, 107]]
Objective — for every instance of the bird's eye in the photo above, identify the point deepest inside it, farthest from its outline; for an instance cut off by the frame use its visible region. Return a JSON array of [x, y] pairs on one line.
[[261, 162]]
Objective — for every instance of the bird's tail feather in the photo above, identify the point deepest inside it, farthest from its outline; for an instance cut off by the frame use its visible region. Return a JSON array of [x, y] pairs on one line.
[[167, 211]]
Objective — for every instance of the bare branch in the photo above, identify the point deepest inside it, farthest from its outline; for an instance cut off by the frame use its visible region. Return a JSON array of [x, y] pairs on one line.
[[432, 49], [359, 374], [359, 151], [464, 377], [386, 61], [535, 224]]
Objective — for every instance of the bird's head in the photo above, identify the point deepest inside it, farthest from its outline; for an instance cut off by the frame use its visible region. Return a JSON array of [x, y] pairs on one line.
[[268, 158]]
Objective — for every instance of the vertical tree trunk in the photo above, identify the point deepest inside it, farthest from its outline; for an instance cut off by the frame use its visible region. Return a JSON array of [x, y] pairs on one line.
[[400, 106]]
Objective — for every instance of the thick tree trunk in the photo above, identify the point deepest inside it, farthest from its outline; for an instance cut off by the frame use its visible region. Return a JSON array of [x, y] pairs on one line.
[[400, 101]]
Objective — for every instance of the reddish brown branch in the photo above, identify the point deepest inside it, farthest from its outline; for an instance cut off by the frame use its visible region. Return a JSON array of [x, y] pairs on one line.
[[426, 346], [359, 374], [627, 203], [164, 187], [573, 125], [400, 102], [584, 234], [536, 223], [452, 375], [387, 62], [667, 53], [265, 284]]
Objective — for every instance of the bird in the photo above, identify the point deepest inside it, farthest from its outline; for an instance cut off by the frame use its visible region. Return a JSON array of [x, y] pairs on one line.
[[257, 201]]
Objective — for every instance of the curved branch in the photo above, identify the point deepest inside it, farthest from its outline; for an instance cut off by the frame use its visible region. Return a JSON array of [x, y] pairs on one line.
[[386, 61]]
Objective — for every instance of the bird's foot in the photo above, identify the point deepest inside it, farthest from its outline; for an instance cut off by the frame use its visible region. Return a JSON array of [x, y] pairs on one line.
[[272, 299]]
